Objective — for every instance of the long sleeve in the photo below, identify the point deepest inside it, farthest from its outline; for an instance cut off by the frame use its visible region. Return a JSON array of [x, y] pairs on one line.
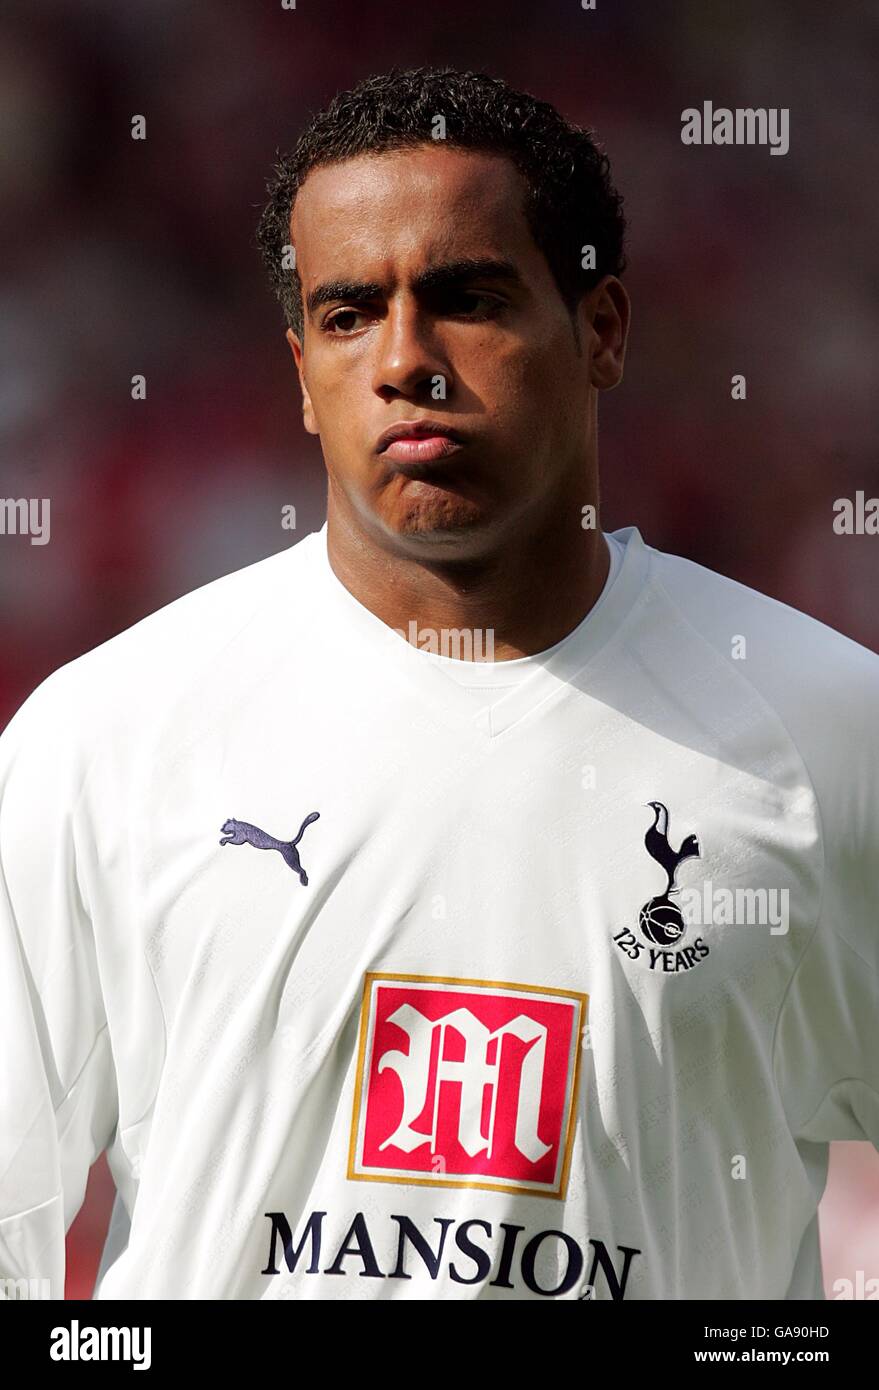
[[58, 1096]]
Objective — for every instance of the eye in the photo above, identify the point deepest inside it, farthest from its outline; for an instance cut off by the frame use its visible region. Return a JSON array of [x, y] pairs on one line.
[[471, 303], [339, 324]]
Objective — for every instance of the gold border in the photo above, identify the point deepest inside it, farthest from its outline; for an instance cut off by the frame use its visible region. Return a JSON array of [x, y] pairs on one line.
[[583, 1001]]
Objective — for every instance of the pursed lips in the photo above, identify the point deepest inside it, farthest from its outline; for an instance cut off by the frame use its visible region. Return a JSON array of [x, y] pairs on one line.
[[419, 442]]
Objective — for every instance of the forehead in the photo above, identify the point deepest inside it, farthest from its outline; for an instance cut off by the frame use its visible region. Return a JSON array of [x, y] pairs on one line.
[[414, 204]]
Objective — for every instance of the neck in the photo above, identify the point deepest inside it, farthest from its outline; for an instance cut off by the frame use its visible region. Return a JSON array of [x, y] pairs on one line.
[[530, 592]]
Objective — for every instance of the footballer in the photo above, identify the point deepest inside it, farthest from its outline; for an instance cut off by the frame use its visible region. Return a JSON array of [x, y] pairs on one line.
[[466, 902]]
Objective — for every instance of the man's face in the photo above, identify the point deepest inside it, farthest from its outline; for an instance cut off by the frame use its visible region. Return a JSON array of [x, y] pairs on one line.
[[487, 351]]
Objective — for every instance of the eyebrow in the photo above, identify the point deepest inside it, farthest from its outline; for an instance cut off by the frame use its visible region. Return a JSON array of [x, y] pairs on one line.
[[437, 277]]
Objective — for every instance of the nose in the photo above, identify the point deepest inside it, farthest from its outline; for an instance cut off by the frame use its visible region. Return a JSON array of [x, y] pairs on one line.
[[409, 360]]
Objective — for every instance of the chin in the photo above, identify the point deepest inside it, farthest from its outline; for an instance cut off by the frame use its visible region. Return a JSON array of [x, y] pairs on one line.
[[426, 515]]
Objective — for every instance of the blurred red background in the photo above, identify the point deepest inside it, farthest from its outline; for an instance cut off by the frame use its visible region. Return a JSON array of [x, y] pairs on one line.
[[122, 257]]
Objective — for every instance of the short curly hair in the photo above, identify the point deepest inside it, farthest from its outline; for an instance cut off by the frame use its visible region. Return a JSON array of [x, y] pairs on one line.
[[570, 200]]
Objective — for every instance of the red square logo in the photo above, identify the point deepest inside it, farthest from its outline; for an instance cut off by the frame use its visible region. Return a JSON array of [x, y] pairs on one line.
[[466, 1083]]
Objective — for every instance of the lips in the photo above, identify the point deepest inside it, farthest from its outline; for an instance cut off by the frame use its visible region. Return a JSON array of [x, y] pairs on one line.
[[419, 442], [429, 450]]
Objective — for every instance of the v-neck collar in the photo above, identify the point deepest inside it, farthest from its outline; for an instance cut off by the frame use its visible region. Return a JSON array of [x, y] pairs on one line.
[[451, 702]]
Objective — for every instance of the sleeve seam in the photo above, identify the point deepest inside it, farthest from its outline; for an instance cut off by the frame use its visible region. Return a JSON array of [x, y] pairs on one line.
[[758, 693], [856, 953], [841, 1081], [31, 1211]]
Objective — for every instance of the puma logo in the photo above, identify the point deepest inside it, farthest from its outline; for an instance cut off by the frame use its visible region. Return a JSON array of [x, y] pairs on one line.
[[241, 832]]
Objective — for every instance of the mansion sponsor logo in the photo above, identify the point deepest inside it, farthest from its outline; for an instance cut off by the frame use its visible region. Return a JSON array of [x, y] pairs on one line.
[[742, 125], [459, 1084], [466, 1083], [548, 1263]]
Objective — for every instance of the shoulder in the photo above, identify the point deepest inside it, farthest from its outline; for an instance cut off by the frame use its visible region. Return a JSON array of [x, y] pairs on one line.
[[126, 683], [804, 668], [822, 687]]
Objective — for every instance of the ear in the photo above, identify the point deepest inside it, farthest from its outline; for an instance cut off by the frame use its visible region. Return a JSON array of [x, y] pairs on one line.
[[604, 314], [307, 410]]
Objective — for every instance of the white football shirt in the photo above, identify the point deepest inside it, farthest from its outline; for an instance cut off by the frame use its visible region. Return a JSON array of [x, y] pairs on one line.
[[487, 679], [376, 990]]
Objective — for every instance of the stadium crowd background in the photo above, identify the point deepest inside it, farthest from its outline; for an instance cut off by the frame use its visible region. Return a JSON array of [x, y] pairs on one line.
[[122, 257]]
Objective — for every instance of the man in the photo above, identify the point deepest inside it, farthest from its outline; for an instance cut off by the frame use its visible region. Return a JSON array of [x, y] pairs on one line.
[[560, 970]]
